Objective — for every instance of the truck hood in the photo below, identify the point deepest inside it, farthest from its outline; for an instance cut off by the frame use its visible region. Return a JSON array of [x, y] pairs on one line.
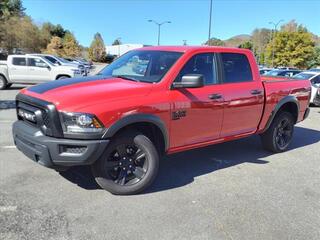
[[75, 93]]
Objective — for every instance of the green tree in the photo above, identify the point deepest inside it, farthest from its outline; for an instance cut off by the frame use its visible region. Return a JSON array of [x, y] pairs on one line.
[[315, 60], [215, 42], [246, 45], [260, 38], [292, 46], [97, 50], [9, 8], [71, 47], [116, 42]]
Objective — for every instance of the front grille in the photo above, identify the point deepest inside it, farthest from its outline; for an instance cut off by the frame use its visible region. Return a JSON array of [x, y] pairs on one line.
[[46, 115]]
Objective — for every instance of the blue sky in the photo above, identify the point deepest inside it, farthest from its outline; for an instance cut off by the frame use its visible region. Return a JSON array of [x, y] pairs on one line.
[[128, 18]]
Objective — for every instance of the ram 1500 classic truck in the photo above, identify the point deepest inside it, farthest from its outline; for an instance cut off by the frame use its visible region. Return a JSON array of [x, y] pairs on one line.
[[122, 121], [28, 69]]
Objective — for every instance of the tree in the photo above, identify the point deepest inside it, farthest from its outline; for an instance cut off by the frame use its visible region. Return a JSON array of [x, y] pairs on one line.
[[246, 45], [9, 8], [292, 46], [97, 50], [20, 32], [315, 60], [260, 39], [215, 42], [71, 47], [116, 42], [55, 47]]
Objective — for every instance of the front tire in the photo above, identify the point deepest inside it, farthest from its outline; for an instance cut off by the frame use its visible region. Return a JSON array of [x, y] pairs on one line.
[[62, 77], [279, 135], [128, 165]]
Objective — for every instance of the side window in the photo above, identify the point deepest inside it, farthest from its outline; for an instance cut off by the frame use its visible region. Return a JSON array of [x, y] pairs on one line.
[[235, 68], [36, 62], [204, 64], [19, 61], [316, 80]]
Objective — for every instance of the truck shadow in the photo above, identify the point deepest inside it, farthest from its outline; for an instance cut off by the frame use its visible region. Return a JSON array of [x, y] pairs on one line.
[[180, 169]]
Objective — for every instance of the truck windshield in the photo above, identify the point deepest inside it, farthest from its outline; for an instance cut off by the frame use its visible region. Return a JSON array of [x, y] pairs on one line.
[[142, 65]]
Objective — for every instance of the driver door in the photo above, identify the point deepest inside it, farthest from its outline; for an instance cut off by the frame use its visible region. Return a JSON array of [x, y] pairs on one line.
[[197, 112]]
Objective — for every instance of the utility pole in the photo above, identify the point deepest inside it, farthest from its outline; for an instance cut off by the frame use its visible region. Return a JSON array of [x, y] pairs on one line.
[[273, 36], [159, 27], [210, 16], [184, 42]]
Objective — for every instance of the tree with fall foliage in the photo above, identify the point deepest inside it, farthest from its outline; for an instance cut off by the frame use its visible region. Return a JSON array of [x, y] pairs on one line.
[[215, 42], [55, 47], [97, 49], [70, 46]]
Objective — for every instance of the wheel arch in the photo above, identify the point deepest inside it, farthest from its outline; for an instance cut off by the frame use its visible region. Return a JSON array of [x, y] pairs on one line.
[[5, 78], [289, 104], [142, 122], [62, 75]]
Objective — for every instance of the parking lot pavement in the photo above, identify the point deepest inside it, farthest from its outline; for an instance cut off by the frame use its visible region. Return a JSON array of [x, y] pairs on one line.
[[233, 190]]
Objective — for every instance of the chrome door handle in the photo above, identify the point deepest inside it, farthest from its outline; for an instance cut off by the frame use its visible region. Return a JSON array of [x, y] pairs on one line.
[[215, 96]]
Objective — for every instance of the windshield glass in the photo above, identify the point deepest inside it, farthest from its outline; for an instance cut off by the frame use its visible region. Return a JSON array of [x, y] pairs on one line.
[[140, 65], [303, 76]]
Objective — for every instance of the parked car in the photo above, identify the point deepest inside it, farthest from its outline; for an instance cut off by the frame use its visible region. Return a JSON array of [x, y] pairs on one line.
[[86, 64], [263, 71], [314, 78], [316, 100], [27, 69], [61, 62], [314, 70], [121, 123], [282, 73]]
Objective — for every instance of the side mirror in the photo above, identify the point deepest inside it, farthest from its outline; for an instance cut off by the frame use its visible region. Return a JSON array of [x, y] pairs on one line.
[[190, 81]]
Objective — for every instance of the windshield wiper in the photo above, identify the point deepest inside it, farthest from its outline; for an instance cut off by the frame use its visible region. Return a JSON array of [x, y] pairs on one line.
[[126, 78]]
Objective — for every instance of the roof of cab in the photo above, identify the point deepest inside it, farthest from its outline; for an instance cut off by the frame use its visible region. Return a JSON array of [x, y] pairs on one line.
[[191, 48]]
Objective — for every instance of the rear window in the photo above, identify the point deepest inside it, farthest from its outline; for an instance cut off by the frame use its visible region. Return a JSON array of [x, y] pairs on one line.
[[235, 68], [19, 61]]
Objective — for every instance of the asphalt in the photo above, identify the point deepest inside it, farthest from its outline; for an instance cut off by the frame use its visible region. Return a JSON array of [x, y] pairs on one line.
[[234, 190]]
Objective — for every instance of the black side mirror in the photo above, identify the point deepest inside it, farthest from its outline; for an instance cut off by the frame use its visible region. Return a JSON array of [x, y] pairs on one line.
[[190, 81]]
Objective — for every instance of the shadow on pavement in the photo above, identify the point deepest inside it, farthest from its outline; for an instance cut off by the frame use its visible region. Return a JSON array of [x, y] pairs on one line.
[[180, 169], [7, 104]]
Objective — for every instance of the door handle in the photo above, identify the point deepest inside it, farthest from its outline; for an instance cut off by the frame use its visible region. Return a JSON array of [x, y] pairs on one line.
[[215, 96], [256, 92]]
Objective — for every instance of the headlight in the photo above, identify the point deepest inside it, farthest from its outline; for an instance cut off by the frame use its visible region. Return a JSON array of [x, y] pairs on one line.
[[76, 71], [80, 123]]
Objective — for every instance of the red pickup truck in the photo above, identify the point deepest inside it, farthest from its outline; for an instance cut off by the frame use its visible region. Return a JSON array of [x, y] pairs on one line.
[[154, 101]]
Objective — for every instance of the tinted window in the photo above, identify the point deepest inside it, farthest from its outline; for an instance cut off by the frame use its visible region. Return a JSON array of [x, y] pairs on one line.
[[200, 64], [235, 68], [316, 80], [19, 61], [52, 60], [36, 62]]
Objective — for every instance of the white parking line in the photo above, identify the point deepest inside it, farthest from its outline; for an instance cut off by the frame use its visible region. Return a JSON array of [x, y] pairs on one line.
[[6, 121], [8, 208], [8, 147]]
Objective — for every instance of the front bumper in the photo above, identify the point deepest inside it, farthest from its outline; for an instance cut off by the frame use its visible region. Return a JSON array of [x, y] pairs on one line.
[[55, 152]]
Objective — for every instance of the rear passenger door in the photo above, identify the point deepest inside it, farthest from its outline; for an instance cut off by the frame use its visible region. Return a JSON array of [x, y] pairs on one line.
[[17, 69], [243, 95]]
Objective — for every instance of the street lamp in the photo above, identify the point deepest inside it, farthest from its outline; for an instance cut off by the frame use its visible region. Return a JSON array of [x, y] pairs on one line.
[[273, 35], [159, 26], [210, 16]]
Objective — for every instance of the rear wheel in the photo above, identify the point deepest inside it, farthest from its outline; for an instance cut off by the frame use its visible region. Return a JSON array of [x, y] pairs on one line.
[[279, 135], [62, 77], [3, 83], [129, 164]]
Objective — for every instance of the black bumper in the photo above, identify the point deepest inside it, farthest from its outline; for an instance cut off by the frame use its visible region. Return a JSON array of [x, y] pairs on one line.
[[55, 152]]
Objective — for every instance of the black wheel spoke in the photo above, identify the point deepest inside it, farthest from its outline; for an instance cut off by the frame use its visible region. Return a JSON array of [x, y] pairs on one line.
[[139, 155], [139, 172], [122, 150], [122, 177]]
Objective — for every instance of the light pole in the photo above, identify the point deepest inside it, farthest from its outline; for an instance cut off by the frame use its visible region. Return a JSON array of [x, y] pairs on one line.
[[210, 16], [159, 26], [273, 35]]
